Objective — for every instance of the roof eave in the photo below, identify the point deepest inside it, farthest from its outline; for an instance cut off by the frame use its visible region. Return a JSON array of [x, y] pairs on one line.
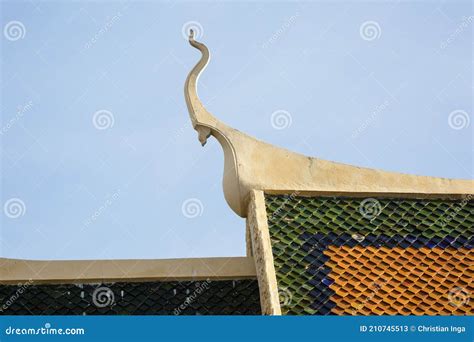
[[15, 271]]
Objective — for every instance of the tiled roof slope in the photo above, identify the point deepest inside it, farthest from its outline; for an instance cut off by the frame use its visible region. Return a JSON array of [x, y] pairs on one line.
[[239, 297], [397, 281], [372, 256]]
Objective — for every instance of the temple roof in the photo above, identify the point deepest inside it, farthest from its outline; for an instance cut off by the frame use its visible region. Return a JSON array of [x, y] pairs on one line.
[[350, 256], [250, 164], [199, 286], [206, 297], [322, 238], [330, 238]]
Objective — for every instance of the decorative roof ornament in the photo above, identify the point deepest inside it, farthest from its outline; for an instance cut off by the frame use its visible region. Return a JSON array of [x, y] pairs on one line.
[[250, 164]]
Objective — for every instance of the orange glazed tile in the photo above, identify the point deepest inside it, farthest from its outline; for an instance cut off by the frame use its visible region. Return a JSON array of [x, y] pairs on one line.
[[401, 281]]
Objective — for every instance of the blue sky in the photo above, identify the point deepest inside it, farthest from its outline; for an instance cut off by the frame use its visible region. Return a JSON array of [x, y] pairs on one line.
[[383, 85]]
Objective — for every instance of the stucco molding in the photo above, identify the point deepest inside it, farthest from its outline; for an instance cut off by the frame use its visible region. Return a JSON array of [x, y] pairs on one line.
[[14, 271], [262, 252], [252, 164]]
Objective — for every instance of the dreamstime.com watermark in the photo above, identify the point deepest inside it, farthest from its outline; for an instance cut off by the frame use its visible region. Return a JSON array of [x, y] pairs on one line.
[[281, 119], [370, 208], [458, 296], [289, 22], [463, 26], [14, 30], [376, 286], [110, 22], [288, 198], [103, 296], [196, 27], [371, 119], [14, 208], [200, 289], [192, 208], [46, 330], [20, 290], [358, 237], [103, 119], [285, 296], [452, 214], [21, 111], [97, 213], [458, 119], [370, 30]]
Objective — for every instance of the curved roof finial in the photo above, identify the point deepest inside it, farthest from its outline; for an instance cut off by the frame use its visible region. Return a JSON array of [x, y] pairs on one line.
[[202, 120], [250, 164]]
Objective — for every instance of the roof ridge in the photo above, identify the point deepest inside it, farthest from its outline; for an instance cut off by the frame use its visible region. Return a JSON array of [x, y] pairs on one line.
[[250, 164]]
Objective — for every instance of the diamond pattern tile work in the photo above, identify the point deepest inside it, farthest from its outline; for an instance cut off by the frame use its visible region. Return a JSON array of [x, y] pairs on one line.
[[401, 281], [303, 228], [239, 297]]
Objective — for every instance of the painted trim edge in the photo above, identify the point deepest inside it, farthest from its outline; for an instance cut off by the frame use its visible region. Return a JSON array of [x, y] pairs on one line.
[[14, 271]]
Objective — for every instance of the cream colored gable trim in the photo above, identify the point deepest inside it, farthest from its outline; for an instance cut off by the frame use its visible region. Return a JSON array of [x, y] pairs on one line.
[[252, 164], [248, 239], [263, 255], [14, 271]]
